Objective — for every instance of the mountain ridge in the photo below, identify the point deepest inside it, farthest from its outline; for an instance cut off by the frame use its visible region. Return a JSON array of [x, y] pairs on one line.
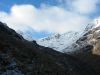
[[65, 40], [21, 57]]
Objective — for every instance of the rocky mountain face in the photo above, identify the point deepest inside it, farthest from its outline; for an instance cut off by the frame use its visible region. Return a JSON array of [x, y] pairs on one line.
[[87, 47], [21, 57], [91, 38]]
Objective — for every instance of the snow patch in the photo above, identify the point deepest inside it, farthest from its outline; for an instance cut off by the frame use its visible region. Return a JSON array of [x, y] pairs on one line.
[[97, 22]]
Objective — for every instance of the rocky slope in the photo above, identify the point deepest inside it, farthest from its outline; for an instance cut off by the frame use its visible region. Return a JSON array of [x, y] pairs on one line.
[[92, 37], [87, 48]]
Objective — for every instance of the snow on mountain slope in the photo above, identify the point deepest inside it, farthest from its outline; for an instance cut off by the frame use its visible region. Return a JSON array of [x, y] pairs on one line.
[[59, 41], [65, 42], [97, 22], [27, 34], [88, 38]]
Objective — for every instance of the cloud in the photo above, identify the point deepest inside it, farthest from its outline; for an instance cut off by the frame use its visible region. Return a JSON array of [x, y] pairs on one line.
[[53, 19], [80, 6], [85, 6]]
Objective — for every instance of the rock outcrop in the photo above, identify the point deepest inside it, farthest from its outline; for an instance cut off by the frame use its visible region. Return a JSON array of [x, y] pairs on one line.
[[87, 48]]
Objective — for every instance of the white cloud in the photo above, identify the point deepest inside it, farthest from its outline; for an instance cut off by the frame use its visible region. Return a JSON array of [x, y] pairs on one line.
[[85, 6], [80, 6], [50, 19]]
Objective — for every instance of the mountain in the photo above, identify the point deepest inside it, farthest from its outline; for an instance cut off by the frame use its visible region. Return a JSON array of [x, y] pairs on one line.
[[62, 42], [91, 37], [21, 57], [59, 41], [87, 47]]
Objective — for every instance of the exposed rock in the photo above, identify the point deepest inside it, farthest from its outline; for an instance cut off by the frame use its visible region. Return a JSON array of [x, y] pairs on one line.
[[88, 49]]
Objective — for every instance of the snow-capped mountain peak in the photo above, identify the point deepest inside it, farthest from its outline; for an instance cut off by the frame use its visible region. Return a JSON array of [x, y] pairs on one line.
[[59, 41], [62, 42]]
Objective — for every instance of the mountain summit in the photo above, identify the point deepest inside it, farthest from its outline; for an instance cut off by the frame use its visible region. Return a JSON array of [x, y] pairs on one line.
[[63, 42]]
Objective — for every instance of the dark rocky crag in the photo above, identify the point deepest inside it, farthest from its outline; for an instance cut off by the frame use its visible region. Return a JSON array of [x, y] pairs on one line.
[[21, 57]]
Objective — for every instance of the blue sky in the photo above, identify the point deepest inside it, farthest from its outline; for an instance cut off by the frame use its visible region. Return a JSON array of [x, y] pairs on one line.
[[5, 5], [46, 17]]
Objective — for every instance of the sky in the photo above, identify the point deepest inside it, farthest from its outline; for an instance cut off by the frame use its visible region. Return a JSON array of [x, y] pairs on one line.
[[41, 18]]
